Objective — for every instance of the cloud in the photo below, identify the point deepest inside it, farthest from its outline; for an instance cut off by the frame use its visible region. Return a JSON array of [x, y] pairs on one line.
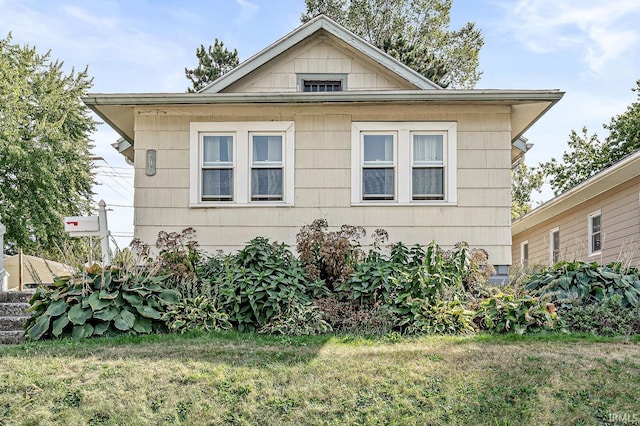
[[247, 11], [598, 31]]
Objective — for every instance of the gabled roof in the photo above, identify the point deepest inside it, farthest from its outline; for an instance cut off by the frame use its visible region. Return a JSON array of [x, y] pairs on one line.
[[617, 174], [320, 22]]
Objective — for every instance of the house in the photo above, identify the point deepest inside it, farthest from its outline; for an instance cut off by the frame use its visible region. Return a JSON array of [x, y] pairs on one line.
[[321, 124], [598, 220]]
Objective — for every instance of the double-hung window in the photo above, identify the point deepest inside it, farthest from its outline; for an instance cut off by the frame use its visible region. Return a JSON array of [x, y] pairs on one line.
[[378, 167], [267, 168], [403, 162], [427, 173], [595, 233], [241, 164], [217, 167]]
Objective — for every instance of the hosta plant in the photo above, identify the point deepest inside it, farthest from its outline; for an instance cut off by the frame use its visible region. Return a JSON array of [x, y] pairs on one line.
[[577, 283], [197, 313], [503, 313], [441, 317], [97, 302]]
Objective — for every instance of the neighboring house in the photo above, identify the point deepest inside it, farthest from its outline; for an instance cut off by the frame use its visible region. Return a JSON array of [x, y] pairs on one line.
[[321, 124], [598, 220]]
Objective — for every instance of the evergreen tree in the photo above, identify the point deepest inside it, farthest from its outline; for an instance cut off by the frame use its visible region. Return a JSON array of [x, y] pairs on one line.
[[213, 62]]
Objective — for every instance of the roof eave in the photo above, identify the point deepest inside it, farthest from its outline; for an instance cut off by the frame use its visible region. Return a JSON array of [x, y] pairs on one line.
[[587, 190]]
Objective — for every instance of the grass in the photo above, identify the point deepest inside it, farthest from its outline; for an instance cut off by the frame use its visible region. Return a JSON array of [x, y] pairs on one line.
[[247, 379]]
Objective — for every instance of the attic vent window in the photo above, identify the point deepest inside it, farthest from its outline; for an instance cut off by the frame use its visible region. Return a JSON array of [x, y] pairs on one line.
[[323, 85], [312, 83]]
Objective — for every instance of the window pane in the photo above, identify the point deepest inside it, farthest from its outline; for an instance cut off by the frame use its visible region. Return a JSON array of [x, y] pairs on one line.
[[595, 224], [596, 243], [267, 149], [377, 184], [217, 150], [428, 149], [378, 149], [217, 184], [266, 184], [428, 184]]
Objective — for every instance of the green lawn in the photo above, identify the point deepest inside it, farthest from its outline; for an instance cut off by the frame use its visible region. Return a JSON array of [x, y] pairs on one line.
[[232, 378]]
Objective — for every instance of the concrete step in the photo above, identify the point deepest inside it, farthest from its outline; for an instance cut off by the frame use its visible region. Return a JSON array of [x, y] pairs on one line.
[[15, 296], [14, 323], [11, 337], [13, 309]]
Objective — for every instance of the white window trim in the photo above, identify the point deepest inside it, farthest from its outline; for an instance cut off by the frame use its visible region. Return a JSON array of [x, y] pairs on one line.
[[590, 233], [403, 163], [241, 132], [551, 232], [522, 259]]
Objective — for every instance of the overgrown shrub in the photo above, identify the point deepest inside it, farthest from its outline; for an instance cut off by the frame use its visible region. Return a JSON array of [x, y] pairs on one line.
[[504, 313], [607, 317], [408, 279], [577, 283], [348, 317], [329, 255], [98, 302], [196, 313], [258, 282]]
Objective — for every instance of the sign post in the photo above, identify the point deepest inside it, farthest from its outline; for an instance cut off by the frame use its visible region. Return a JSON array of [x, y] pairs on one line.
[[89, 226]]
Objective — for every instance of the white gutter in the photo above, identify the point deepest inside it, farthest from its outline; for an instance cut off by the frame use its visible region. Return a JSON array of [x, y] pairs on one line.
[[436, 95]]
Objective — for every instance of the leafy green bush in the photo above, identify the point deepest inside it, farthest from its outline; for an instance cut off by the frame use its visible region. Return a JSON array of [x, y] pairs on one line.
[[607, 317], [504, 313], [441, 317], [407, 275], [97, 302], [197, 313], [577, 283], [258, 282]]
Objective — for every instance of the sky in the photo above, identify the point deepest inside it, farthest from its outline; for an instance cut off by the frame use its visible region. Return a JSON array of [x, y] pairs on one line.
[[589, 49]]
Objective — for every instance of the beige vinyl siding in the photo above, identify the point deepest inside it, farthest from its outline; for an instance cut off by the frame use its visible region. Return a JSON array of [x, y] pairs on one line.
[[324, 55], [620, 222], [323, 176]]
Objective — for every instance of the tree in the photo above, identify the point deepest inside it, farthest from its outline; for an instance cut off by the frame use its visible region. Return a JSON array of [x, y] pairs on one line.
[[587, 155], [524, 180], [416, 32], [213, 62], [45, 158]]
